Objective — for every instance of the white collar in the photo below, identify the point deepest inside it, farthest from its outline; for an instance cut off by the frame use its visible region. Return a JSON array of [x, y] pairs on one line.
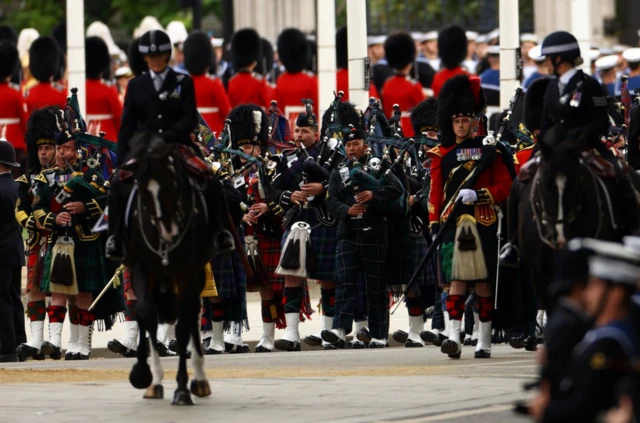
[[4, 173], [564, 79], [162, 74]]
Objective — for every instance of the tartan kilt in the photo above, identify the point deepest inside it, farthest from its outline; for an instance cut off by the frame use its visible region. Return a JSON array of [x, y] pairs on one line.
[[270, 252], [324, 241], [428, 276], [399, 254], [92, 270], [34, 269]]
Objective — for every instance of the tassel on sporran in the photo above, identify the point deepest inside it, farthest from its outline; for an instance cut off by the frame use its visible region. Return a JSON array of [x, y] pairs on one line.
[[468, 257], [209, 283], [297, 255], [63, 269], [260, 275]]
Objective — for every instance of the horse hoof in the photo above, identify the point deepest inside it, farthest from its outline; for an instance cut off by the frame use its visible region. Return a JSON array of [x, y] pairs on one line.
[[182, 398], [200, 388], [154, 392], [140, 376]]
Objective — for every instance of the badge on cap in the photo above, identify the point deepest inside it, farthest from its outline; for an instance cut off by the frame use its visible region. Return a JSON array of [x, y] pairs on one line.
[[153, 47]]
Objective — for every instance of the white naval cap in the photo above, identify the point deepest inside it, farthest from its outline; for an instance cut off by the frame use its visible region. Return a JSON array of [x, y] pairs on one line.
[[417, 36], [217, 42], [177, 32], [632, 55], [612, 261], [429, 36], [493, 50], [632, 243], [482, 39], [607, 62], [528, 38], [620, 48], [535, 54], [472, 35], [123, 71], [606, 51], [594, 54], [493, 34], [372, 40]]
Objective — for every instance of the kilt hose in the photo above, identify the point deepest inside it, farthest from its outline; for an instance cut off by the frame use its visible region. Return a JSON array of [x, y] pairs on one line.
[[362, 254], [323, 242]]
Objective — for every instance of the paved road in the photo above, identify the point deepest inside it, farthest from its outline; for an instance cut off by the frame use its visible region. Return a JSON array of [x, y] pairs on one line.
[[397, 384]]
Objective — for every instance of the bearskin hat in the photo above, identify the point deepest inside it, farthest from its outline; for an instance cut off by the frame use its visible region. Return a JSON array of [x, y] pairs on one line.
[[313, 60], [461, 95], [423, 73], [265, 64], [452, 46], [41, 129], [246, 48], [400, 50], [136, 59], [249, 125], [44, 58], [198, 53], [8, 58], [342, 52], [424, 117], [96, 54], [349, 115], [534, 102], [59, 33], [293, 50], [9, 33]]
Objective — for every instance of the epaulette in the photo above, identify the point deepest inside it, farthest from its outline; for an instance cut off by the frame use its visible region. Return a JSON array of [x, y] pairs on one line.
[[14, 86], [107, 82], [180, 77], [58, 86], [23, 179], [309, 73], [410, 79], [435, 151], [257, 76], [212, 77], [41, 178]]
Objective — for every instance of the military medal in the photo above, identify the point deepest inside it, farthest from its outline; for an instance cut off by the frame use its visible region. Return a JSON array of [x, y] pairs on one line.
[[575, 100]]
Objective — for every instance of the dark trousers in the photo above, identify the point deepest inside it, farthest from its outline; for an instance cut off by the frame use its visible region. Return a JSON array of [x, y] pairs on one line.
[[12, 332], [362, 254], [512, 211]]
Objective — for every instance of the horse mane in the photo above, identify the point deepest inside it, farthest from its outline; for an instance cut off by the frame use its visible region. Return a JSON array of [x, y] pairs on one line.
[[561, 152], [143, 143]]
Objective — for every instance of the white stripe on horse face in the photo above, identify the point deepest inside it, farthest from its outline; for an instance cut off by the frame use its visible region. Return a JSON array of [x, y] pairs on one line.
[[154, 188], [561, 183]]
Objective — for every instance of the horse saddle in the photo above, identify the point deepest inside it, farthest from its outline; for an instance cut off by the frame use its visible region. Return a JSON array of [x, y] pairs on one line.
[[529, 169], [598, 165], [195, 165]]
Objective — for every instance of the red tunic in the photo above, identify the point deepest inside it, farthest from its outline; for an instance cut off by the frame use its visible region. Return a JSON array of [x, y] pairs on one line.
[[406, 93], [104, 109], [45, 94], [246, 88], [342, 84], [496, 180], [521, 157], [13, 115], [212, 101], [443, 76], [291, 88]]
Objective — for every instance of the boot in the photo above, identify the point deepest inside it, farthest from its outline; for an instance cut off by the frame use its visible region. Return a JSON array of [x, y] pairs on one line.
[[377, 343], [443, 335], [416, 324], [128, 345], [84, 342], [233, 343], [451, 346], [72, 345], [401, 336], [315, 340], [429, 336], [357, 344], [114, 248], [509, 255], [483, 349], [290, 341], [216, 344], [52, 347], [335, 337], [32, 349], [266, 343], [163, 336]]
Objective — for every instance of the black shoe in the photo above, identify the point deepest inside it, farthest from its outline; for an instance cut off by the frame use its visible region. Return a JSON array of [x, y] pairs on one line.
[[68, 356], [358, 345], [509, 255], [517, 342], [312, 341], [400, 336], [467, 342], [412, 344], [163, 350], [114, 248], [284, 345], [527, 342], [451, 348], [78, 356], [482, 354], [116, 347], [25, 351], [223, 242], [212, 351], [9, 358], [236, 349], [427, 336], [375, 345], [261, 349], [333, 339], [439, 340], [173, 344], [364, 335], [329, 347]]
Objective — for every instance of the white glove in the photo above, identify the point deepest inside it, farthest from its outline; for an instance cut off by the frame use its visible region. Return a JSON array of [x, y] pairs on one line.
[[468, 196]]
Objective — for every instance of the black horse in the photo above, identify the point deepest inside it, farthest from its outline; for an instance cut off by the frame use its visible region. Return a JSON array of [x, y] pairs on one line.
[[169, 241], [565, 199]]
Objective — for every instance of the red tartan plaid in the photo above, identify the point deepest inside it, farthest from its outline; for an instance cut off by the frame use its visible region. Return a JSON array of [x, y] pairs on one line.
[[195, 164], [270, 251], [33, 270], [126, 280]]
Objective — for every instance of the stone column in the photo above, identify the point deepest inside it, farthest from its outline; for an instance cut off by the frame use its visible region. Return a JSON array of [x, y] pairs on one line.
[[269, 17]]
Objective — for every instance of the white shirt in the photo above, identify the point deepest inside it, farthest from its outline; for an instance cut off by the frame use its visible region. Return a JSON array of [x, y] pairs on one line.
[[565, 78], [162, 75]]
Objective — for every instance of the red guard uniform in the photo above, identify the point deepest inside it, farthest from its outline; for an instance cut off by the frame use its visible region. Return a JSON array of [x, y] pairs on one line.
[[104, 110], [45, 94], [291, 88], [443, 76], [212, 101], [521, 157], [13, 115], [406, 93], [249, 88], [342, 84]]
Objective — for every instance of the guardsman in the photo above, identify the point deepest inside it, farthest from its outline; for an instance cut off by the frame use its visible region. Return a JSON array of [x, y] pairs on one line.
[[401, 89], [468, 251], [40, 138], [13, 116], [452, 49], [490, 78], [296, 83], [607, 74], [211, 98], [44, 63], [104, 110], [247, 86], [342, 63]]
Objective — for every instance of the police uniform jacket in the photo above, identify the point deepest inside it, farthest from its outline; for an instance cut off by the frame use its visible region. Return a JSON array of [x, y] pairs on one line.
[[170, 112], [11, 244]]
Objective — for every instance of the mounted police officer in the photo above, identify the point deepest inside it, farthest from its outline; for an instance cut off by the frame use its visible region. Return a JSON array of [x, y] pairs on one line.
[[159, 101]]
